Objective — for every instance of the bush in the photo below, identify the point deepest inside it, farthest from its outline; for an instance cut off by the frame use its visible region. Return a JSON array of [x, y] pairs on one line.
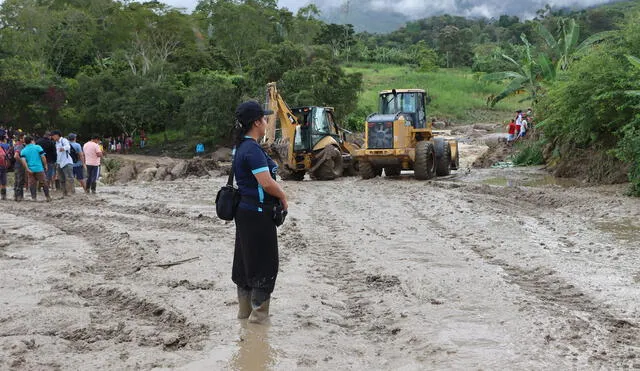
[[529, 153], [111, 167]]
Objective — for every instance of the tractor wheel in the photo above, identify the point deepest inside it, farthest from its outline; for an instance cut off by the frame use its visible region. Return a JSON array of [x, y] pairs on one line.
[[366, 169], [455, 162], [425, 165], [392, 170], [352, 169], [331, 168], [443, 158], [287, 174]]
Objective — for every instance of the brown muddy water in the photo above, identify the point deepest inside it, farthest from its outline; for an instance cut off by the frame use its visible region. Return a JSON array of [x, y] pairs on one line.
[[382, 274]]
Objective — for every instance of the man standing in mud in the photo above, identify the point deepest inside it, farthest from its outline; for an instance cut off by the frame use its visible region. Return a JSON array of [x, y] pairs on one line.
[[19, 171], [49, 147], [64, 163], [92, 154], [35, 164]]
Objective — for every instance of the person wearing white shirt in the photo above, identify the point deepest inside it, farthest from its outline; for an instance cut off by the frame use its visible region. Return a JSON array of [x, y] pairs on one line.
[[64, 163]]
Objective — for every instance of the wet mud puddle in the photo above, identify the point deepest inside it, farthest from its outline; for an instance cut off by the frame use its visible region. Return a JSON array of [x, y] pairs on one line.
[[532, 181]]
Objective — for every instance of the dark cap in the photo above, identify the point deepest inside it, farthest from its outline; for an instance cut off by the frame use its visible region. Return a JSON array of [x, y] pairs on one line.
[[519, 111], [72, 136], [249, 111]]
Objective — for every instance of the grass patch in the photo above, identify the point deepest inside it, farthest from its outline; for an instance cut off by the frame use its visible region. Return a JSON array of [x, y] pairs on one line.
[[529, 153], [457, 95]]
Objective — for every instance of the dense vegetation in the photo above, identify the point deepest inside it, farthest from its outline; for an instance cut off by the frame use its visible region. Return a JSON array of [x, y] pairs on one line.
[[110, 67]]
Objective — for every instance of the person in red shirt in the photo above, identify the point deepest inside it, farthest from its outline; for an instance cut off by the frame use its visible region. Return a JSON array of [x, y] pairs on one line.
[[512, 131]]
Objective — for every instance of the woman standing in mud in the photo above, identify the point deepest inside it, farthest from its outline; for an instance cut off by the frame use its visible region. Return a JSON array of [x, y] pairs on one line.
[[255, 260]]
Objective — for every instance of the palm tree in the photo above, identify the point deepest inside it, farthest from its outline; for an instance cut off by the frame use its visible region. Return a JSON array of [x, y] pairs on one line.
[[525, 78], [532, 74]]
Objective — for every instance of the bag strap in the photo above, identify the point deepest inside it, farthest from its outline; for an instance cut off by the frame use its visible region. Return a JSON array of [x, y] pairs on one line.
[[233, 160]]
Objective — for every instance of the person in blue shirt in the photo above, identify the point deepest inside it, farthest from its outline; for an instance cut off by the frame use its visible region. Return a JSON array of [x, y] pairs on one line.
[[35, 164], [255, 260], [199, 149]]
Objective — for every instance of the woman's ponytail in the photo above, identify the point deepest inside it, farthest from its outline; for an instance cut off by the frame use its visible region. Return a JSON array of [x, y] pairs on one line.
[[240, 130]]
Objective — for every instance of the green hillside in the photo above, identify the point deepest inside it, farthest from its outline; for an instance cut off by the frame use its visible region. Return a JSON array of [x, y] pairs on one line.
[[457, 94]]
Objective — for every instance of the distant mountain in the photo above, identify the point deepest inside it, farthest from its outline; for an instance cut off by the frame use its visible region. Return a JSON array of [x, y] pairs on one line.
[[364, 16], [368, 20]]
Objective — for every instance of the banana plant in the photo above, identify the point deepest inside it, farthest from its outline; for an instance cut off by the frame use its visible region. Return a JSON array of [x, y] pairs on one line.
[[526, 76], [565, 48]]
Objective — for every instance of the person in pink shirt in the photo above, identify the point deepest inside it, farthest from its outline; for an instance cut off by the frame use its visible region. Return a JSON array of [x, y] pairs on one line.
[[92, 155]]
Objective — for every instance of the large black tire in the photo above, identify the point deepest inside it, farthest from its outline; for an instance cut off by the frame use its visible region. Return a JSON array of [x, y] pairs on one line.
[[443, 157], [288, 174], [425, 165], [352, 169], [331, 168], [455, 161], [366, 169], [392, 170]]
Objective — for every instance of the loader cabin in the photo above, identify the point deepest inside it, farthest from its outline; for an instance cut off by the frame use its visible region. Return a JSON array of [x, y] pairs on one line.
[[411, 103], [315, 124]]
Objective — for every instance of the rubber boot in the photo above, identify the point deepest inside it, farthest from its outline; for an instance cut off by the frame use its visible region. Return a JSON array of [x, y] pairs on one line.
[[260, 314], [244, 303], [18, 194], [3, 194]]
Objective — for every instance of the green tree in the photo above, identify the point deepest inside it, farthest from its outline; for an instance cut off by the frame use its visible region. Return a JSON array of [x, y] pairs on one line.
[[322, 83], [209, 104]]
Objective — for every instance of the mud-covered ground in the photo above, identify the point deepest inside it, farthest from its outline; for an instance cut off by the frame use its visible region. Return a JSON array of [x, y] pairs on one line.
[[489, 269]]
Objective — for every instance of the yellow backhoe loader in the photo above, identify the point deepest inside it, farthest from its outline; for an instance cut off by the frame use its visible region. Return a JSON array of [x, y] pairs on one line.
[[399, 137], [306, 140]]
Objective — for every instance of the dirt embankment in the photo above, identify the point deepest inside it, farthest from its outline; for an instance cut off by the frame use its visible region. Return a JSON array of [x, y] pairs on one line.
[[148, 168]]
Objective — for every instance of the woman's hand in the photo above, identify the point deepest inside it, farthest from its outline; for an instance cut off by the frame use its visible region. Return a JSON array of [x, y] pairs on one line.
[[272, 187]]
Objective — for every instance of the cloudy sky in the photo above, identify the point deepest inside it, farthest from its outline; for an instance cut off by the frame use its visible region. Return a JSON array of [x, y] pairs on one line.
[[423, 8]]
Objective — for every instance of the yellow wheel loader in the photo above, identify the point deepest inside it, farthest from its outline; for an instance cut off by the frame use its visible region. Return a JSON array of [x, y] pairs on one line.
[[306, 140], [399, 137]]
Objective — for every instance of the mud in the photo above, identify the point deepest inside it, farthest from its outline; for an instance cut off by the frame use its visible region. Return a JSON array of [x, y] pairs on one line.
[[457, 273]]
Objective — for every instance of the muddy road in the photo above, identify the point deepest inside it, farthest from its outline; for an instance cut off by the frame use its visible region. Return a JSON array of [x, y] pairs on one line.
[[384, 274]]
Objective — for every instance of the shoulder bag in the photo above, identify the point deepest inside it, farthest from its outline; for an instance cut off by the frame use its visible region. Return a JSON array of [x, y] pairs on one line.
[[227, 199]]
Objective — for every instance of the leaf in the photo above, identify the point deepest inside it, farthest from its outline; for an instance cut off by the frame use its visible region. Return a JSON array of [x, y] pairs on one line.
[[594, 39], [633, 60], [546, 65], [546, 35], [511, 60], [511, 89]]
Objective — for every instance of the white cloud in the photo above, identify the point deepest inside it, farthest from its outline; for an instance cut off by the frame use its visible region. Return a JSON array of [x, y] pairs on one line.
[[422, 8]]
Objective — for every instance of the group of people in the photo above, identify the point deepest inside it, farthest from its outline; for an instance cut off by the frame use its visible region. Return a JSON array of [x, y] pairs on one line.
[[124, 143], [48, 162], [519, 125]]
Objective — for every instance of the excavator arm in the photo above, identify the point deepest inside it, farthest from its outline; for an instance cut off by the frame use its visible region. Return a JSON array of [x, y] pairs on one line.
[[288, 124]]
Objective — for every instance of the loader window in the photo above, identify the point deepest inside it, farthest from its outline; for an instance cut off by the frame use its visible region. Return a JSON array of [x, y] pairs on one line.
[[408, 102], [321, 121], [401, 102]]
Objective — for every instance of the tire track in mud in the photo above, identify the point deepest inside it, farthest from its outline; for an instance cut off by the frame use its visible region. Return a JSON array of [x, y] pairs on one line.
[[119, 314], [368, 290], [345, 285], [581, 328]]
